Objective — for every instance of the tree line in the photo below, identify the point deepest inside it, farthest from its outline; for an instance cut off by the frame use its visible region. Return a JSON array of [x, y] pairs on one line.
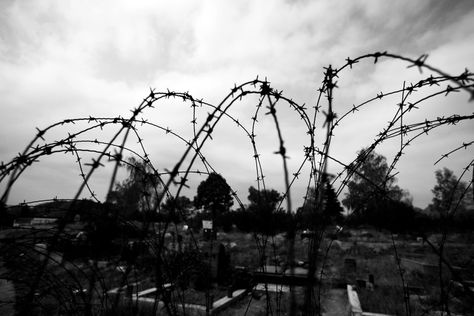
[[372, 198]]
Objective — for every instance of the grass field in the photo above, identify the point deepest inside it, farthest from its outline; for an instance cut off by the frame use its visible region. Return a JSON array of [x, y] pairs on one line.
[[374, 254]]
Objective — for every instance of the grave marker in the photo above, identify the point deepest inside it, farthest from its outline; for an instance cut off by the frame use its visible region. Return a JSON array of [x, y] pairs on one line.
[[350, 270], [371, 283]]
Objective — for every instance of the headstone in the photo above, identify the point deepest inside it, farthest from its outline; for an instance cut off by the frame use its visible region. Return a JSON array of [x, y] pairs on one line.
[[371, 278], [222, 264], [371, 283], [350, 270], [208, 231], [206, 224]]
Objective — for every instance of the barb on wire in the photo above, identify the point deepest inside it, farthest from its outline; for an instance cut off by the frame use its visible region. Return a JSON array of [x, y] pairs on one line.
[[132, 240]]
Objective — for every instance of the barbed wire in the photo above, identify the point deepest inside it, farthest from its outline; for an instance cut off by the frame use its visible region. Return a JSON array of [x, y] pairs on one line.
[[170, 183]]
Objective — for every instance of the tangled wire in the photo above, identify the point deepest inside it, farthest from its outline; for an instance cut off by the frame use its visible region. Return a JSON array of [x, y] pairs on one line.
[[45, 284]]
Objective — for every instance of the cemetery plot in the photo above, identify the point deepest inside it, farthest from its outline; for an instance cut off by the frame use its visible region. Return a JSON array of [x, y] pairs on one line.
[[376, 276]]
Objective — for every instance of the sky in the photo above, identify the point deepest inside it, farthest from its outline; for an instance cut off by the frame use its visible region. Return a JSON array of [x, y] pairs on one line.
[[71, 59]]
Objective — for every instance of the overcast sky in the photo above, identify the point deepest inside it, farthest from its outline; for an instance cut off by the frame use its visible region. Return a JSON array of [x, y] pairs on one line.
[[66, 59]]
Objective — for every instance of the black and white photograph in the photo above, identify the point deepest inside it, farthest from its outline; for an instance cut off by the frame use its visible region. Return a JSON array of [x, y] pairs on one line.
[[244, 157]]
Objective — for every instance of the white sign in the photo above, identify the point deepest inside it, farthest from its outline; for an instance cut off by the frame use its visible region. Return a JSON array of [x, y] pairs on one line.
[[207, 224]]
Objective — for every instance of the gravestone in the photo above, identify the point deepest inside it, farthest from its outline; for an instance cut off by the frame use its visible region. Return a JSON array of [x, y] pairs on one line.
[[223, 260], [219, 260], [371, 279], [371, 283], [350, 270], [208, 230]]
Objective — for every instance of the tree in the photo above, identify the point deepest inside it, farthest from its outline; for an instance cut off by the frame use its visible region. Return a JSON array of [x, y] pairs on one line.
[[264, 211], [265, 201], [371, 188], [333, 208], [139, 193], [176, 209], [449, 194], [330, 211], [214, 195]]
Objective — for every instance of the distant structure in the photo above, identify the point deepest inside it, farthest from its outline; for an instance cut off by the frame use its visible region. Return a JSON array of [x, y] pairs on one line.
[[35, 223]]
